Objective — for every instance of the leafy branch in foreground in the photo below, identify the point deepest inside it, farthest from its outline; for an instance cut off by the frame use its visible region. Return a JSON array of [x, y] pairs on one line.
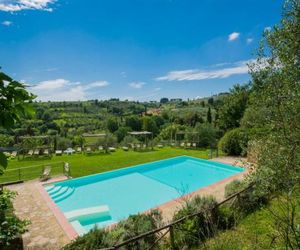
[[14, 103]]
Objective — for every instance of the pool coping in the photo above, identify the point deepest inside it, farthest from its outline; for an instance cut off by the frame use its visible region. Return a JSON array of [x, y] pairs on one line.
[[71, 232]]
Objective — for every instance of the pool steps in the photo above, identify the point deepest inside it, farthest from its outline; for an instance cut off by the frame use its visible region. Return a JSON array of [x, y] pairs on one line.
[[59, 193], [78, 227], [87, 213]]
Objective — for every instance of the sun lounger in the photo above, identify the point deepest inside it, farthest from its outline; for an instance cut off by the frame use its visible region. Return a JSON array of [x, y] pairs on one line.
[[194, 145], [112, 149], [182, 144], [69, 151], [88, 150], [14, 154], [58, 152], [160, 146], [36, 152], [46, 173], [79, 150], [125, 148], [188, 144], [46, 152], [30, 152], [100, 148]]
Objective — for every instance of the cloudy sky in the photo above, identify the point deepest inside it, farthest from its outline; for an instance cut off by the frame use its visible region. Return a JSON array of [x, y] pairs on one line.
[[131, 49]]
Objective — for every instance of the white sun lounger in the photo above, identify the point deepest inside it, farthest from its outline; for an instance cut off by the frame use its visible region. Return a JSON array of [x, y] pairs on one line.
[[87, 212]]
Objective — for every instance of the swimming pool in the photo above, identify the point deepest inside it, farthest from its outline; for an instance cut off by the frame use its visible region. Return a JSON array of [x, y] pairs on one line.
[[106, 198]]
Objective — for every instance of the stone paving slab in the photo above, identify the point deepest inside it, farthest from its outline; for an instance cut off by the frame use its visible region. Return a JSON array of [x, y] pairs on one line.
[[45, 232]]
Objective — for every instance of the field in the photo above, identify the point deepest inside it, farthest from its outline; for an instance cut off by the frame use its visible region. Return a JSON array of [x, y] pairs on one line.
[[82, 165]]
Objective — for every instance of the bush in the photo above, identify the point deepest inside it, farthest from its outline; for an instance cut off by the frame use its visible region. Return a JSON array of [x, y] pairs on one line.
[[127, 229], [95, 239], [248, 201], [234, 187], [196, 229], [11, 227], [234, 142]]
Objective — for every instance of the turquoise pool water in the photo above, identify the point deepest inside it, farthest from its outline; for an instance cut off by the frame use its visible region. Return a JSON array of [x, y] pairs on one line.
[[132, 190]]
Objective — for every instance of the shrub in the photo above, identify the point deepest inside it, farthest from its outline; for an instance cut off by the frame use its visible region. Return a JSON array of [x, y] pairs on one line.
[[11, 227], [95, 239], [196, 229], [234, 142], [248, 201], [127, 229], [234, 187]]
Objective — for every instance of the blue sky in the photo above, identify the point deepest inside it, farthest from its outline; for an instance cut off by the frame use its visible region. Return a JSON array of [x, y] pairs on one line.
[[131, 49]]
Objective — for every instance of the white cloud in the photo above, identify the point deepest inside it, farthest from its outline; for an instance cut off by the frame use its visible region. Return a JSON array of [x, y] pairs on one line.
[[157, 89], [18, 5], [7, 23], [137, 85], [97, 84], [65, 90], [249, 40], [51, 84], [233, 36], [203, 74]]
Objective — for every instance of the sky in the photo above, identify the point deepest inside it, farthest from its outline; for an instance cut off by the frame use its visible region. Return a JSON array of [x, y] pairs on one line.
[[131, 49]]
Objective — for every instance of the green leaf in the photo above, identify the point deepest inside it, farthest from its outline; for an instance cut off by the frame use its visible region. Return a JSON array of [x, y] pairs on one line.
[[3, 160]]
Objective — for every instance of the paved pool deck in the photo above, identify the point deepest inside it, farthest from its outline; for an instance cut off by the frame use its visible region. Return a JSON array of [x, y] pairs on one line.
[[49, 230]]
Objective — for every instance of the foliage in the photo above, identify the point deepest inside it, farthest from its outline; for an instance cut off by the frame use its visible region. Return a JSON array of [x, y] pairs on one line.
[[6, 140], [234, 106], [234, 142], [207, 135], [249, 200], [121, 133], [234, 187], [134, 123], [63, 143], [129, 139], [10, 226], [127, 229], [112, 125], [209, 117], [14, 103], [196, 229], [149, 124]]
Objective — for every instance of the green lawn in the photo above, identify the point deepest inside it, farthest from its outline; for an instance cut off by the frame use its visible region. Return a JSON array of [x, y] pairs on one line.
[[90, 164]]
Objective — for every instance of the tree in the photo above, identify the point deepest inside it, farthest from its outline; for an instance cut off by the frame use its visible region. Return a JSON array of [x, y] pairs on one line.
[[276, 93], [112, 125], [121, 133], [210, 101], [14, 103], [164, 100], [149, 125], [209, 118], [234, 106], [134, 123]]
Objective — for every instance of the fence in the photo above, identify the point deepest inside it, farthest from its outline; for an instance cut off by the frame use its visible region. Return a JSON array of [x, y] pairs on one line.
[[169, 228], [31, 172]]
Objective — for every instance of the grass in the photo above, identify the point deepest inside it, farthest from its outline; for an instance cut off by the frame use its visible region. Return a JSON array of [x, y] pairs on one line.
[[257, 230], [90, 164]]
